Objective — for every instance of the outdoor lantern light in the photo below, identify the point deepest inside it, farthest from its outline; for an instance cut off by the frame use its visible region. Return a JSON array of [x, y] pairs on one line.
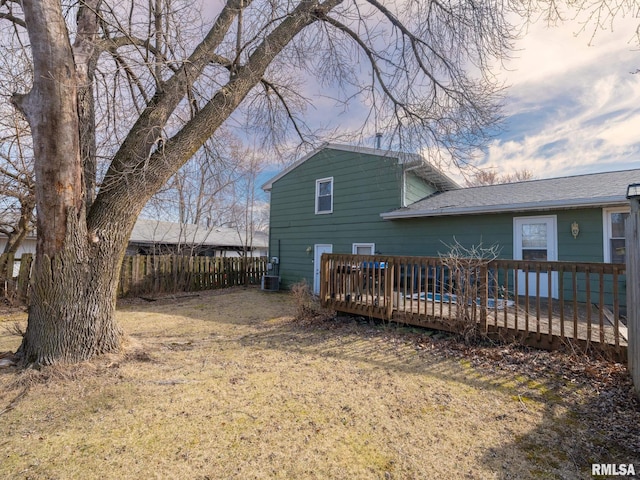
[[633, 190], [575, 229]]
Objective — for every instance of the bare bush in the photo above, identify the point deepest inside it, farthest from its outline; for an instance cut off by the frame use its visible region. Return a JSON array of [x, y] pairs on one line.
[[468, 272], [307, 305]]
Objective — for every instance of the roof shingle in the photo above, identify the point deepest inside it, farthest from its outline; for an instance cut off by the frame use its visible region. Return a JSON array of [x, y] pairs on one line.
[[596, 189]]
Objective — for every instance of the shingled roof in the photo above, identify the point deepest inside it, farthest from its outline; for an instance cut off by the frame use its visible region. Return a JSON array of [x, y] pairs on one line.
[[592, 190], [147, 231]]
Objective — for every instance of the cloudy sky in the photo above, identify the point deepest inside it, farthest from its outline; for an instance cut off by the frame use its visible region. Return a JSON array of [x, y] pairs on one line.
[[573, 105]]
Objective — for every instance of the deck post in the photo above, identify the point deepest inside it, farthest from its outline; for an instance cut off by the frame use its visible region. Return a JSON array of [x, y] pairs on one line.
[[632, 246], [388, 287], [484, 295], [324, 279]]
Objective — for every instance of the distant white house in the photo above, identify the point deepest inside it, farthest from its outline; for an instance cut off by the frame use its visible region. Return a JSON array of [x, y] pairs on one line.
[[28, 245], [156, 237]]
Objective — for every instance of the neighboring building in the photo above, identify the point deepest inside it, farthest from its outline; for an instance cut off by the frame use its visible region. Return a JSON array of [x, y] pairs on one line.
[[344, 199], [155, 237], [28, 245]]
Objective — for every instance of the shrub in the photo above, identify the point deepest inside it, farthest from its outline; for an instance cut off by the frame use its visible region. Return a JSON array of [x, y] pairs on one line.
[[307, 305], [468, 268]]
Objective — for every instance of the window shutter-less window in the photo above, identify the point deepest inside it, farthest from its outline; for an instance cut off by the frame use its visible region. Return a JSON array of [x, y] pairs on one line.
[[324, 195]]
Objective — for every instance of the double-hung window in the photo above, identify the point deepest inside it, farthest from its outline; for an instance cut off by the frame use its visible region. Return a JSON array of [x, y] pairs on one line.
[[614, 241], [324, 195]]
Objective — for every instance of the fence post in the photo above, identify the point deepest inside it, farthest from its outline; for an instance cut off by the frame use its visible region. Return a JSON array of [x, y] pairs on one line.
[[632, 247], [6, 273], [23, 276]]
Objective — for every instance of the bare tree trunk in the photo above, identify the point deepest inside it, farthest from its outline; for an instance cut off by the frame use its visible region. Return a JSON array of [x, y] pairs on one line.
[[71, 315], [85, 59]]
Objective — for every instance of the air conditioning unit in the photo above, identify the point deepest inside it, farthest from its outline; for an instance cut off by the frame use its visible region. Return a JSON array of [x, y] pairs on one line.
[[270, 283]]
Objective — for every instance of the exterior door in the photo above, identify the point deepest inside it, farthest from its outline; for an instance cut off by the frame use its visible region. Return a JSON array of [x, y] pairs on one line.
[[318, 250], [536, 239]]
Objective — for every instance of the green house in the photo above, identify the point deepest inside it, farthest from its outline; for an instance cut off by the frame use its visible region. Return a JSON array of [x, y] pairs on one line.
[[345, 199]]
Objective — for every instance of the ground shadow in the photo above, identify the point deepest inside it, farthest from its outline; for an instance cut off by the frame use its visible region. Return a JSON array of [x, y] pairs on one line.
[[601, 424]]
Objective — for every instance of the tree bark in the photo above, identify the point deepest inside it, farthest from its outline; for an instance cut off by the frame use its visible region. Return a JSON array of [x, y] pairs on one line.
[[51, 110], [81, 243], [72, 308], [85, 58], [71, 313]]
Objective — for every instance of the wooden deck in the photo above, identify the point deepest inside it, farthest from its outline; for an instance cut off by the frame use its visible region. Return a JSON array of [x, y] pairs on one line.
[[379, 288], [520, 319]]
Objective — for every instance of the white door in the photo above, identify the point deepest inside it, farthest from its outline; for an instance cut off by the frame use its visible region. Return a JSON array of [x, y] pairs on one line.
[[536, 239], [318, 250]]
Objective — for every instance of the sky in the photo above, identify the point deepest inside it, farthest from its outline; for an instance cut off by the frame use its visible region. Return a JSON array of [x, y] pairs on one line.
[[573, 103]]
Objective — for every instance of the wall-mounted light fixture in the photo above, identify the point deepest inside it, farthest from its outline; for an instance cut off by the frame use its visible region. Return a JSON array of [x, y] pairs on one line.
[[309, 250], [575, 229], [633, 190]]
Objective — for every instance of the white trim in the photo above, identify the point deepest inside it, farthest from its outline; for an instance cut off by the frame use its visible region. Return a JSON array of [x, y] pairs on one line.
[[318, 182], [328, 248], [552, 253], [606, 230], [402, 158], [403, 193], [355, 246], [502, 208]]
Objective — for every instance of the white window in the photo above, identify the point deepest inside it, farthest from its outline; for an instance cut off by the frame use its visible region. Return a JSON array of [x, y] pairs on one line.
[[363, 248], [324, 195], [614, 242]]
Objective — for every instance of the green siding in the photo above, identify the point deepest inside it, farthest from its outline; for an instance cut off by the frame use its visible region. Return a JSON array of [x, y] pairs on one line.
[[588, 246], [366, 186], [363, 187], [435, 236], [416, 188]]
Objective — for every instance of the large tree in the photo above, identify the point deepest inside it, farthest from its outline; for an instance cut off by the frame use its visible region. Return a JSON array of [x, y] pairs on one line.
[[419, 67]]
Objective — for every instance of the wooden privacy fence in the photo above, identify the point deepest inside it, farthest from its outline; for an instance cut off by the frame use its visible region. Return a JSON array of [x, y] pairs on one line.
[[541, 304], [177, 273], [150, 274], [14, 276]]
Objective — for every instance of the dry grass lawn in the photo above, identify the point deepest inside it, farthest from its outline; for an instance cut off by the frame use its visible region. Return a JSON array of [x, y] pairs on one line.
[[227, 384]]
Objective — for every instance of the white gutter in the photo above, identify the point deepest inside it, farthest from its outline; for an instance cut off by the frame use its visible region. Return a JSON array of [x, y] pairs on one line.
[[503, 208]]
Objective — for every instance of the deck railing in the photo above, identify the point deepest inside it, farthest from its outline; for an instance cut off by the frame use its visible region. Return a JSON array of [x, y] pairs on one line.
[[544, 304]]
